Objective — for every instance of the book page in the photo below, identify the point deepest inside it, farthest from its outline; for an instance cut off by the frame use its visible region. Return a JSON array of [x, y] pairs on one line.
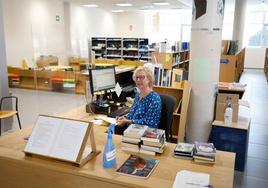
[[43, 135], [69, 140]]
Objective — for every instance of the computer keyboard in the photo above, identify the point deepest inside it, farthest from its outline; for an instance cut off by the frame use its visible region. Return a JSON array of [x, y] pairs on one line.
[[120, 112]]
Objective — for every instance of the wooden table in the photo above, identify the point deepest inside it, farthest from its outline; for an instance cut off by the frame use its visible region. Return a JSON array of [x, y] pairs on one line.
[[17, 170]]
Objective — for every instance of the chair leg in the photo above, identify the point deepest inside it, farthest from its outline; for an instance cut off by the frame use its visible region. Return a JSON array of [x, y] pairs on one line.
[[18, 120], [0, 126]]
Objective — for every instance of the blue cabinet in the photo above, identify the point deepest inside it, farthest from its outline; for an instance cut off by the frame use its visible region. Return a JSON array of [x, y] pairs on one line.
[[231, 139]]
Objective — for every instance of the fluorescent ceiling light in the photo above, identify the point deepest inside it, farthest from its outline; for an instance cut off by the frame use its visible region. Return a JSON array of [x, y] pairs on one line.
[[161, 3], [117, 11], [124, 4], [91, 5]]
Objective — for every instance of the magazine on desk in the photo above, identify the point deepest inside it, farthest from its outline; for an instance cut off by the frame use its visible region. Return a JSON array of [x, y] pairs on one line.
[[139, 167]]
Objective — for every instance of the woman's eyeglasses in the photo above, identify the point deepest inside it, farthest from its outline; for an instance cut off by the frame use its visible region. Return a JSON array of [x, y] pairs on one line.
[[140, 77]]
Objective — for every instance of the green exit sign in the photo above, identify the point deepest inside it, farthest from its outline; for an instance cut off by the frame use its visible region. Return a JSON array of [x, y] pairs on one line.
[[57, 18]]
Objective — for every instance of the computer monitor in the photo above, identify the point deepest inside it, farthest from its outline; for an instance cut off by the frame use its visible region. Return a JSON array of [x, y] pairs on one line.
[[102, 78]]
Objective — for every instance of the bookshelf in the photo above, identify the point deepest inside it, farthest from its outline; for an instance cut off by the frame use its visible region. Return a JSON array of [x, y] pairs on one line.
[[232, 66], [182, 97], [98, 45], [129, 49], [266, 64]]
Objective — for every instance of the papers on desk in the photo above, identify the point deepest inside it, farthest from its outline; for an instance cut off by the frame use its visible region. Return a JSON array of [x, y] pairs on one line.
[[107, 119], [189, 179]]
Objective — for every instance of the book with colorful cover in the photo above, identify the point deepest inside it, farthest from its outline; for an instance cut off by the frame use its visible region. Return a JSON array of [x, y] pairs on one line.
[[135, 131], [205, 149], [138, 167], [153, 135], [185, 148]]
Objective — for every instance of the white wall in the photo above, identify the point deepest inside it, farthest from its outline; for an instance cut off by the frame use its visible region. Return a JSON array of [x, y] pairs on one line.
[[131, 24], [31, 29], [254, 57], [90, 22]]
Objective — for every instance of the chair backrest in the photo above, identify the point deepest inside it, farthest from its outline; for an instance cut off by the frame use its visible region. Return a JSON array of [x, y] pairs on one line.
[[9, 97], [168, 103]]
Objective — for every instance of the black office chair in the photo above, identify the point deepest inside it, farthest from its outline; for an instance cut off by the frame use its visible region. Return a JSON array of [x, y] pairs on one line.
[[9, 113], [168, 103]]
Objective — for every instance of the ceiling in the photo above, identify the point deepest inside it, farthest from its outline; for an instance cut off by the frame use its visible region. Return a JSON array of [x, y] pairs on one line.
[[137, 4], [148, 4]]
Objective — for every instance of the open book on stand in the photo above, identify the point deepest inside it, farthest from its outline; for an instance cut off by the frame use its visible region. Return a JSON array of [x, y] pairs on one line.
[[62, 139]]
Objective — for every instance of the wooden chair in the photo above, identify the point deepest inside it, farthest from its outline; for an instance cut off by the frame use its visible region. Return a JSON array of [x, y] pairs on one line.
[[9, 113]]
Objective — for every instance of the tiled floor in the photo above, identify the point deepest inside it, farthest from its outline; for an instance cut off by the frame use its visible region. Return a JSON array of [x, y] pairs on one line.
[[256, 171], [255, 175]]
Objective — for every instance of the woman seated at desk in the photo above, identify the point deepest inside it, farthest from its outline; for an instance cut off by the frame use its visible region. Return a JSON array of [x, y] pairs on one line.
[[146, 109]]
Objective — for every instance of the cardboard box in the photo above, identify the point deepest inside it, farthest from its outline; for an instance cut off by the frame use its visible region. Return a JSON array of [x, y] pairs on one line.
[[222, 101]]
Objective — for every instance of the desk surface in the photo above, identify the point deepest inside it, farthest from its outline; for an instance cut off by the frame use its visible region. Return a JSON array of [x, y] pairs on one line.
[[243, 121], [17, 170]]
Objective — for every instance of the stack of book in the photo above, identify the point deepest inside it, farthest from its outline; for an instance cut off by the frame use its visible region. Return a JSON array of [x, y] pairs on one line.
[[204, 153], [132, 137], [184, 150], [153, 141]]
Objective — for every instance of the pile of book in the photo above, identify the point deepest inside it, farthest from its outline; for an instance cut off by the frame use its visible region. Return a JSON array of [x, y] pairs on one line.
[[184, 150], [153, 141], [142, 139], [204, 153]]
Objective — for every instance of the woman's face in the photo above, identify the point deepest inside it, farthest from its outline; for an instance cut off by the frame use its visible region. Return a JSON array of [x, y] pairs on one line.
[[141, 80]]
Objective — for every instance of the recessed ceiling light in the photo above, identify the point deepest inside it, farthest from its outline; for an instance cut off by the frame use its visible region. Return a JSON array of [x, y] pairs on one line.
[[91, 5], [161, 3], [116, 11], [124, 4]]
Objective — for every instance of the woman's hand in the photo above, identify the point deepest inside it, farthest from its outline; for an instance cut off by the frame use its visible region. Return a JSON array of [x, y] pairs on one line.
[[121, 121]]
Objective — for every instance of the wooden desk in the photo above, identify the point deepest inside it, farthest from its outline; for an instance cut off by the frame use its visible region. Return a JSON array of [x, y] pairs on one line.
[[18, 170], [225, 87], [234, 137]]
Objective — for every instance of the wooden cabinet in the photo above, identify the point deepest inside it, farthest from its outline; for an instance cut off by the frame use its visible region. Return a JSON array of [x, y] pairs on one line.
[[182, 97], [231, 67], [27, 79], [43, 80]]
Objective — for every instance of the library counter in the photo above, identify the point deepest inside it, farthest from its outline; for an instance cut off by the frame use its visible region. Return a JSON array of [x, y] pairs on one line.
[[17, 169]]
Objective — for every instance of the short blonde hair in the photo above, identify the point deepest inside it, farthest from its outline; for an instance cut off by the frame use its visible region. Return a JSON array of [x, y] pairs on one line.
[[148, 74]]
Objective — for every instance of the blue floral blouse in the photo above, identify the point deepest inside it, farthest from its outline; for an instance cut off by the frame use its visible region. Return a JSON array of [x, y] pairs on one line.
[[146, 111]]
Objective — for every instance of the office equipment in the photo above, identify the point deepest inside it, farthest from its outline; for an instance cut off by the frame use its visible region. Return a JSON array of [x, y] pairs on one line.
[[61, 139], [120, 112], [102, 78], [9, 113]]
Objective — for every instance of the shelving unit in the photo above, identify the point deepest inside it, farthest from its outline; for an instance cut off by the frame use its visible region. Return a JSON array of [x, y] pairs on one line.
[[114, 48], [182, 97], [98, 45], [232, 66], [134, 49]]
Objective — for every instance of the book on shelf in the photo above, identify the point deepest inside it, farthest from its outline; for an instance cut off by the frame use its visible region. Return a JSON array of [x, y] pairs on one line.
[[184, 149], [139, 167], [178, 109], [205, 149], [153, 135], [135, 131]]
